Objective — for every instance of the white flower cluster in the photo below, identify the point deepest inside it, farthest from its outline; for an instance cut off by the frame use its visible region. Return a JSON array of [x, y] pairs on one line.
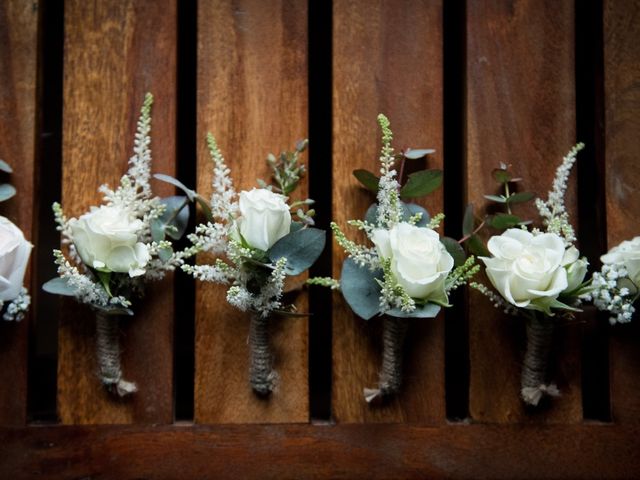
[[389, 206], [553, 211], [608, 293], [243, 227], [112, 244], [16, 308]]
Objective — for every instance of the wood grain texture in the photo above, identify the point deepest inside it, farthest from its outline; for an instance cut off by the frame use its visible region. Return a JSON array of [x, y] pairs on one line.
[[115, 51], [521, 111], [622, 123], [379, 451], [252, 95], [18, 73], [387, 59]]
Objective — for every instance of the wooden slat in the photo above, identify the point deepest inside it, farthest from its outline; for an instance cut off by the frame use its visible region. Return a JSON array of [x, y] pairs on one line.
[[622, 123], [387, 58], [521, 111], [252, 95], [18, 56], [322, 452], [115, 51]]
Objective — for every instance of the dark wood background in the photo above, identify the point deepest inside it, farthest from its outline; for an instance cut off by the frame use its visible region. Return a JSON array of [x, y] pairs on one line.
[[480, 81]]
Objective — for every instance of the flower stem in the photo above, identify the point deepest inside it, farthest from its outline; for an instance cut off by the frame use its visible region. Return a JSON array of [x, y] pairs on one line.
[[534, 369], [262, 375], [394, 332], [108, 353]]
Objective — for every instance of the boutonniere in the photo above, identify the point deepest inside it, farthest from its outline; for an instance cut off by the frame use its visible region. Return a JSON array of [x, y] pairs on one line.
[[408, 270], [616, 287], [14, 257], [260, 237], [115, 248], [538, 273]]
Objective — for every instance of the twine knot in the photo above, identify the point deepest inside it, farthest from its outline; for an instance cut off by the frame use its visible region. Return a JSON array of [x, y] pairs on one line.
[[534, 369]]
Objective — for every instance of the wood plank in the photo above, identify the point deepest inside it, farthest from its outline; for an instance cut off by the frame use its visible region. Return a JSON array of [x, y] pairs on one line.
[[381, 451], [622, 123], [252, 95], [521, 110], [115, 51], [386, 60], [18, 74]]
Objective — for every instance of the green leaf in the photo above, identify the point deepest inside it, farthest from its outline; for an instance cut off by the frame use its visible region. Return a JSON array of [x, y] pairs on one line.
[[496, 198], [105, 279], [295, 226], [205, 207], [468, 221], [520, 197], [175, 215], [58, 286], [476, 246], [301, 249], [501, 175], [360, 289], [455, 250], [6, 192], [412, 154], [421, 183], [177, 183], [502, 221], [5, 167], [428, 310], [367, 179], [165, 254]]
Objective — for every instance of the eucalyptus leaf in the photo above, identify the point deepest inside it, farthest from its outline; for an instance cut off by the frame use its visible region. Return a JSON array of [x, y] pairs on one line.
[[501, 175], [205, 207], [414, 154], [367, 179], [468, 221], [476, 246], [428, 310], [177, 183], [421, 183], [59, 286], [113, 310], [6, 191], [502, 221], [496, 198], [5, 167], [360, 289], [176, 214], [520, 197], [165, 254], [295, 226], [455, 250], [301, 249]]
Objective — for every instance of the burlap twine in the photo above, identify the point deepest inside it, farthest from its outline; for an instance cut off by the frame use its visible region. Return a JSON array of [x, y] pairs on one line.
[[108, 353], [534, 369], [394, 332], [262, 376]]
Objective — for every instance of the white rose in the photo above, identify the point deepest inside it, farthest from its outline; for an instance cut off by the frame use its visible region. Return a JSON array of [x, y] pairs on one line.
[[106, 239], [627, 254], [264, 217], [530, 271], [576, 268], [14, 256], [419, 261]]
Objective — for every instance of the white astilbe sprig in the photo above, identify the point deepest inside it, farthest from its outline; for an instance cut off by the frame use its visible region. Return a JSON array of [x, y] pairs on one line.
[[223, 199], [497, 300], [362, 255], [220, 272], [134, 192], [85, 289], [612, 291], [553, 211], [389, 206]]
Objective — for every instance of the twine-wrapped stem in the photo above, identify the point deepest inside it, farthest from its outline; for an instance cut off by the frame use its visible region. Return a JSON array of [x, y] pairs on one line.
[[261, 372], [393, 335], [108, 353], [534, 368]]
